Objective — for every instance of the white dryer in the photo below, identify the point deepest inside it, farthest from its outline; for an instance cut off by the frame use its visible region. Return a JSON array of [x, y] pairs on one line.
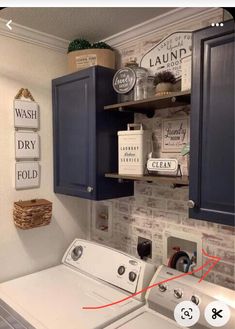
[[90, 275], [162, 299]]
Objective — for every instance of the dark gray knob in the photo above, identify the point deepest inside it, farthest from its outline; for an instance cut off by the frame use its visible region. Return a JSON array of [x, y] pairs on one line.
[[162, 287], [178, 293], [132, 276], [76, 252], [191, 204], [195, 299], [121, 270]]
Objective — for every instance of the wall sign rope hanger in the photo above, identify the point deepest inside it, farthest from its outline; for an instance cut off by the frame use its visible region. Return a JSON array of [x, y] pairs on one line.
[[24, 92]]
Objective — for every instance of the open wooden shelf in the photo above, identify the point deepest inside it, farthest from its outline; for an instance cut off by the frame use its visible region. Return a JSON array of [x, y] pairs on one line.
[[149, 105], [175, 181]]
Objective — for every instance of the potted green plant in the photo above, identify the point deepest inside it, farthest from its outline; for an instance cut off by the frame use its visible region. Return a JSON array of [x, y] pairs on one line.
[[164, 82], [82, 54]]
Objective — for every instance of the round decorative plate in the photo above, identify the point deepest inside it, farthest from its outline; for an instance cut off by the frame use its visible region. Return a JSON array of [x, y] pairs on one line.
[[124, 80]]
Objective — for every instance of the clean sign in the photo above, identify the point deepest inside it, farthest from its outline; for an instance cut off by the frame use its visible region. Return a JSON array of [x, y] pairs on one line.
[[27, 175], [26, 114], [27, 145], [162, 165]]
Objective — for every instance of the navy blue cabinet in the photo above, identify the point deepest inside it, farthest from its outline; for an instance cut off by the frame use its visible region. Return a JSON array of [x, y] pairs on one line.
[[85, 136], [212, 125]]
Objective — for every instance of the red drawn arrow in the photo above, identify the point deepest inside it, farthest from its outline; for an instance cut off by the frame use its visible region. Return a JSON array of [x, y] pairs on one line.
[[213, 260]]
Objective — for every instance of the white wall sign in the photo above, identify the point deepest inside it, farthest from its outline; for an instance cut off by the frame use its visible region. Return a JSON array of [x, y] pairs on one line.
[[26, 114], [162, 165], [167, 54], [27, 145], [27, 175], [174, 134]]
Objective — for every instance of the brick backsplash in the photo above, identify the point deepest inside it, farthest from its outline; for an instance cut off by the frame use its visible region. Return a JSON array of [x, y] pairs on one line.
[[156, 208], [149, 217]]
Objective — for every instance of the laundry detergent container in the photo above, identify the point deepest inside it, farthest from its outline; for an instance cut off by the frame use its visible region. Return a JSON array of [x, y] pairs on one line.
[[134, 144]]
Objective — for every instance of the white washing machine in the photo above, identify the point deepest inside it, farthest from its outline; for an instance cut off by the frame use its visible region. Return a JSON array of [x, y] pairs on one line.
[[90, 275], [158, 313]]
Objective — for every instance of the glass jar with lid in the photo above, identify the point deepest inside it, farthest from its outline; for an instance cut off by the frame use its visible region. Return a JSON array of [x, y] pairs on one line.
[[139, 89], [149, 90]]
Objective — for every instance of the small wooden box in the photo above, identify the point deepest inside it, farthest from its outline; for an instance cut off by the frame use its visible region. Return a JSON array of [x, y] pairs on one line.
[[32, 213], [82, 59]]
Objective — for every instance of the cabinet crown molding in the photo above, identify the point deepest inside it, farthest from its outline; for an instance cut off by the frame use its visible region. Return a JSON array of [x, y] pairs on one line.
[[162, 23], [23, 33]]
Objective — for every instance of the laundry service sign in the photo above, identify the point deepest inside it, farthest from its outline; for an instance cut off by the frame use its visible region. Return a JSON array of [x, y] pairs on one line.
[[168, 53]]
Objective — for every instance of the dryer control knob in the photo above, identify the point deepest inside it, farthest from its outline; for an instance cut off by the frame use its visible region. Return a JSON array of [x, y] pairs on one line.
[[195, 299], [178, 293], [121, 270], [132, 276], [76, 252], [162, 287]]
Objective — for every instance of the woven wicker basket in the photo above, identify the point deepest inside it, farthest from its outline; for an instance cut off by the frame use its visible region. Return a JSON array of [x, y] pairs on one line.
[[32, 213]]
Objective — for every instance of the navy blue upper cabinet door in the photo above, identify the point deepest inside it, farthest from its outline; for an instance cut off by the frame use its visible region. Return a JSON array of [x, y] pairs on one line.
[[85, 136], [212, 125]]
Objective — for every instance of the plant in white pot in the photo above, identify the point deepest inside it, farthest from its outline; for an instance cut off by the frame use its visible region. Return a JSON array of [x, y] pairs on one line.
[[164, 82], [82, 54]]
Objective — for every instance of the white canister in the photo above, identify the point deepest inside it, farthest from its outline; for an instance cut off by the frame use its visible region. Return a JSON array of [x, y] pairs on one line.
[[134, 145]]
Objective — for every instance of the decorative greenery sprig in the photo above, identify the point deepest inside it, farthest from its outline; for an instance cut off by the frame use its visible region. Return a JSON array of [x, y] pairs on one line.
[[164, 76], [80, 44]]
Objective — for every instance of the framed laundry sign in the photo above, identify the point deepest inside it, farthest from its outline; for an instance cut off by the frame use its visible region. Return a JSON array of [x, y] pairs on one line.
[[26, 114], [27, 175], [167, 54], [175, 134], [27, 145]]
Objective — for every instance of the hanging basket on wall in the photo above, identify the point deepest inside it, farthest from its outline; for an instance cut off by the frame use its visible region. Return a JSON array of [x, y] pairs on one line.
[[32, 213]]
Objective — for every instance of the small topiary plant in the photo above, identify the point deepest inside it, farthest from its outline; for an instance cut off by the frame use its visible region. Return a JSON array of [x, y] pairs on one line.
[[164, 76], [79, 44], [101, 45]]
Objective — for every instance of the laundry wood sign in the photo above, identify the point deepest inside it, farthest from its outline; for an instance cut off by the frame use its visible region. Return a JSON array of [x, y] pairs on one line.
[[26, 114], [27, 145], [168, 53], [27, 175], [175, 134]]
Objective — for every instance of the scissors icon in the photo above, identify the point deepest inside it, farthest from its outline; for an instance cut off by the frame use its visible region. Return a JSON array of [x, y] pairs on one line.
[[216, 313]]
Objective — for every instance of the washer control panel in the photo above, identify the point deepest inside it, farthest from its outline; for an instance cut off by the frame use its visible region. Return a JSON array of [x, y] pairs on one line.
[[110, 265], [170, 292]]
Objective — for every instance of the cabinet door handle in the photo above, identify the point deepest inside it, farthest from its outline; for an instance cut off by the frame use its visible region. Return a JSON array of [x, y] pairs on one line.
[[89, 189], [191, 204]]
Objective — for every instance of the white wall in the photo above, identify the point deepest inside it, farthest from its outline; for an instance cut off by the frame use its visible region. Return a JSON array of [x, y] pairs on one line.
[[33, 67]]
